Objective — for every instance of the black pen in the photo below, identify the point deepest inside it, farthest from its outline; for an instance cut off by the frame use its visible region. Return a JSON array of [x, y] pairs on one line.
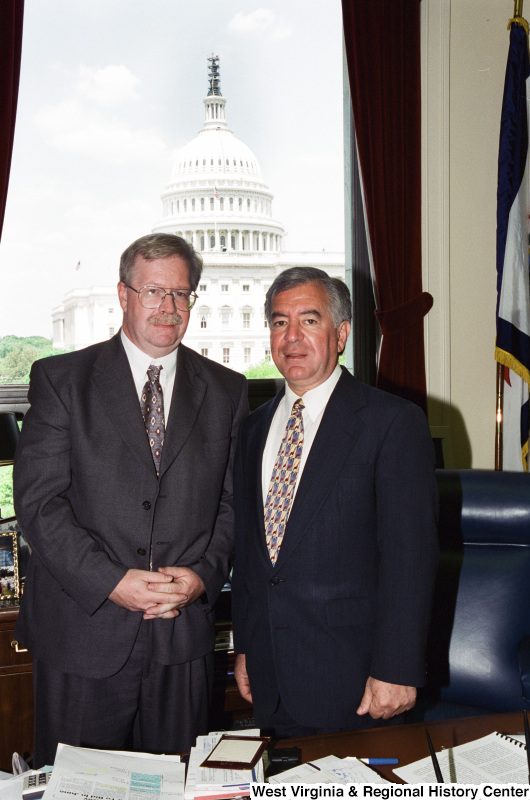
[[437, 770]]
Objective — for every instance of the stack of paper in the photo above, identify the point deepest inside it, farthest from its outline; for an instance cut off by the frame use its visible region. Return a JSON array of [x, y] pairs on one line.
[[205, 782], [496, 758], [80, 772], [330, 769]]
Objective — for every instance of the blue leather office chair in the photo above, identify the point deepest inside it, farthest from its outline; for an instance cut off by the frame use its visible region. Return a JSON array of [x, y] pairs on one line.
[[478, 655]]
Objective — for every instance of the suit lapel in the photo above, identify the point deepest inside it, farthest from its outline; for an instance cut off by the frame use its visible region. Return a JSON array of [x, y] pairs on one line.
[[112, 378], [331, 447], [186, 401]]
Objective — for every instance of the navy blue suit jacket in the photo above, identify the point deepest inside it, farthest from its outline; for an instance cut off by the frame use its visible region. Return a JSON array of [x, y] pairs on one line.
[[350, 594]]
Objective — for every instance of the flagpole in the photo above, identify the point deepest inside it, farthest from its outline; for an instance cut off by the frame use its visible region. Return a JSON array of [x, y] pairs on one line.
[[518, 8], [498, 416]]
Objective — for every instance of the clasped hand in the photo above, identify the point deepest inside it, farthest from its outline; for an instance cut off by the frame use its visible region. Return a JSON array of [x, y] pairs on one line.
[[158, 594]]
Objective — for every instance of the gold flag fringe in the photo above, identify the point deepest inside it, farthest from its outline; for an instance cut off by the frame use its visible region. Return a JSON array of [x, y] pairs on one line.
[[519, 21]]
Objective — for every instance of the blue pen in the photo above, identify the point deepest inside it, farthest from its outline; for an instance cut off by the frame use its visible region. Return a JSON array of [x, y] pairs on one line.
[[379, 762], [233, 785]]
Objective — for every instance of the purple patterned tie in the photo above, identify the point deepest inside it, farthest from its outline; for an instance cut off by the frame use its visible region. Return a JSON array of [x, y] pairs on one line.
[[283, 481], [152, 405]]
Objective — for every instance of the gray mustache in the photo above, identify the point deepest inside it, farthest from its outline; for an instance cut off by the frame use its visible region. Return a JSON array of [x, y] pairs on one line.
[[165, 319]]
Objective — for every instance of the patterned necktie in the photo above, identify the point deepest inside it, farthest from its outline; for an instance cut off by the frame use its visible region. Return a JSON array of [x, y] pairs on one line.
[[152, 405], [283, 481]]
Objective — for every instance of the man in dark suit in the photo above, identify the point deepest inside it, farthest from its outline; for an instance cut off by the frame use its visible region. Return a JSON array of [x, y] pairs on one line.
[[336, 552], [123, 488]]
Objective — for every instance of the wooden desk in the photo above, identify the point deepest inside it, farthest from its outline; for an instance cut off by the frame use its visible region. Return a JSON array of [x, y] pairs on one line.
[[16, 693], [408, 743]]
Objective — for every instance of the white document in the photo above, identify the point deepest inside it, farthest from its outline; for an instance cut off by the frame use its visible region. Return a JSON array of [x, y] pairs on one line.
[[330, 769], [11, 788], [81, 773], [493, 759]]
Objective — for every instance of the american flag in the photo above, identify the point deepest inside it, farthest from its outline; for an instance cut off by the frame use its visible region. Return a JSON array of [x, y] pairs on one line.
[[512, 347]]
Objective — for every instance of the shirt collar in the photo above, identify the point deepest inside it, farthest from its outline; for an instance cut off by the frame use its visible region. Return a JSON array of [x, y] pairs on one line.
[[140, 361], [315, 400]]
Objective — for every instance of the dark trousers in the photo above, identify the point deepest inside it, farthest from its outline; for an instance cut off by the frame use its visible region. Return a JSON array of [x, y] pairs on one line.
[[145, 706]]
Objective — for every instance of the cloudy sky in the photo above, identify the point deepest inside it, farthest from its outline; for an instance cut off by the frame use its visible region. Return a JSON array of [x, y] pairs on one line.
[[110, 89]]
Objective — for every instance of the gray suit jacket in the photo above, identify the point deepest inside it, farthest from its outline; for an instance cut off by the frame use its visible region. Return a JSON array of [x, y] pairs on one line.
[[91, 506]]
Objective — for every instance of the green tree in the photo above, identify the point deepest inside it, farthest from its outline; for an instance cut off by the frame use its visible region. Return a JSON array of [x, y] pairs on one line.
[[17, 354], [16, 365], [265, 369], [6, 492], [9, 343]]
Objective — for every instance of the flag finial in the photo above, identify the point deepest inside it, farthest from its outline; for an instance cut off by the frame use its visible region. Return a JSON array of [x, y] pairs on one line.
[[518, 16]]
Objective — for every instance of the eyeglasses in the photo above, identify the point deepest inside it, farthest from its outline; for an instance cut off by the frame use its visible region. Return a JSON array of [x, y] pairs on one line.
[[154, 296]]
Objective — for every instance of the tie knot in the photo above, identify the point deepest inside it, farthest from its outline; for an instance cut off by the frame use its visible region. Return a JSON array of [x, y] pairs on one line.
[[153, 372], [298, 405]]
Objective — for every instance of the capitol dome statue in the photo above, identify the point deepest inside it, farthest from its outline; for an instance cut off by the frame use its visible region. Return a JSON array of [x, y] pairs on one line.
[[217, 200]]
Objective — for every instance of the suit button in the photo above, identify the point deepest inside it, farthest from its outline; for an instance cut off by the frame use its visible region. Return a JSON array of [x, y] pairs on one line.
[[275, 581], [146, 505], [141, 551]]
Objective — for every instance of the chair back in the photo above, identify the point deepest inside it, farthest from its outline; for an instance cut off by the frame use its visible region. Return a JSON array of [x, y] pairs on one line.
[[481, 611]]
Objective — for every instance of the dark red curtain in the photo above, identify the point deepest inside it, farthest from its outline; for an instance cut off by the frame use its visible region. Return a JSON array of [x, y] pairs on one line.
[[383, 51], [11, 17]]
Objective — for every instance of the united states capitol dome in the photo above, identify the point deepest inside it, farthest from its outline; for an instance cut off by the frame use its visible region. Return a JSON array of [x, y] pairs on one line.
[[216, 197], [216, 150]]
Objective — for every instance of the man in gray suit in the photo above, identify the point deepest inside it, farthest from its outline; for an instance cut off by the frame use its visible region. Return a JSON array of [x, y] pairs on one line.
[[123, 488]]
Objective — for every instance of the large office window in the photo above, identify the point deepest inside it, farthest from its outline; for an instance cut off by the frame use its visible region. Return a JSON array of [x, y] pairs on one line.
[[90, 165]]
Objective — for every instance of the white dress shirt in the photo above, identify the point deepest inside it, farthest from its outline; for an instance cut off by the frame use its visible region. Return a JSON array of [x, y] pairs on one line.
[[315, 402], [140, 361]]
